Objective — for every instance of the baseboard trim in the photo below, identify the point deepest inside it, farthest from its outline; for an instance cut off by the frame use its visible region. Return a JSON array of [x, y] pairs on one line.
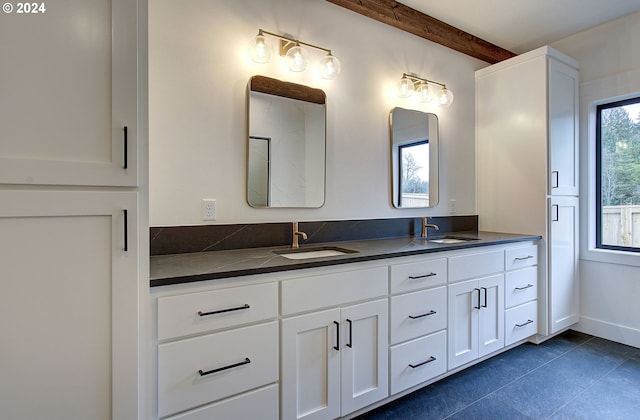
[[613, 332]]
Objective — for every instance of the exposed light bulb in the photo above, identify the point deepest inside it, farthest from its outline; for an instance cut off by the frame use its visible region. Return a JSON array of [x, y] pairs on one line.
[[424, 92], [329, 67], [259, 49], [296, 60], [445, 98], [405, 87]]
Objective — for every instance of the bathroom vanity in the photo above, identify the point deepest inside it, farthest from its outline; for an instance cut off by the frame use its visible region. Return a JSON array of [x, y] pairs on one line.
[[250, 333]]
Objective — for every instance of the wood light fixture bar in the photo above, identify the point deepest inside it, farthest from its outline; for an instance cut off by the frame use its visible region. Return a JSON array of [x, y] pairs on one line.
[[417, 23]]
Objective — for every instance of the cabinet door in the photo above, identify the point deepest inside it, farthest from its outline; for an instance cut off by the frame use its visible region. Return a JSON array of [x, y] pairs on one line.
[[491, 314], [311, 366], [364, 355], [563, 128], [69, 89], [463, 308], [69, 305], [563, 263]]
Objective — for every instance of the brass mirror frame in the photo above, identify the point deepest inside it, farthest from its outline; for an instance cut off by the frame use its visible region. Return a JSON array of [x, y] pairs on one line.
[[433, 137], [288, 90]]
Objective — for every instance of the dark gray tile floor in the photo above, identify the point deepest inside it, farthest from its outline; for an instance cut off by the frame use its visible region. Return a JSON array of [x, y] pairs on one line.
[[573, 376]]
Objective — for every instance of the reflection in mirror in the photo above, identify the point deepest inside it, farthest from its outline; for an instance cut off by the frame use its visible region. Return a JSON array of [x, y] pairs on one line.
[[286, 144], [414, 158]]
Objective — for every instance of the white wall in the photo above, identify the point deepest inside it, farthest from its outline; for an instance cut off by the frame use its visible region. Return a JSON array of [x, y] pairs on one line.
[[610, 283], [198, 77]]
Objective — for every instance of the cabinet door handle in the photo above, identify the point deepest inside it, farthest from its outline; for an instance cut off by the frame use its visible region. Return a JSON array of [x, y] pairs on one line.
[[125, 214], [528, 257], [245, 306], [526, 323], [246, 361], [337, 346], [477, 290], [485, 296], [528, 286], [429, 360], [555, 175], [431, 312], [125, 160], [555, 216], [349, 344], [423, 276]]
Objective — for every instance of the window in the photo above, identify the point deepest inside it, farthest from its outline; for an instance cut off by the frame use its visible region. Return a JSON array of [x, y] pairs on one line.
[[618, 175], [414, 174]]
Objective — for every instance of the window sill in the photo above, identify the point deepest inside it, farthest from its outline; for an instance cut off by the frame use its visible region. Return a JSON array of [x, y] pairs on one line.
[[611, 256]]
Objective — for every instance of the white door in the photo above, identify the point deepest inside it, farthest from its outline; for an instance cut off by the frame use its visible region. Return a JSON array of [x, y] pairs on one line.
[[463, 308], [364, 355], [69, 91], [563, 128], [69, 305], [564, 297], [310, 361], [491, 314]]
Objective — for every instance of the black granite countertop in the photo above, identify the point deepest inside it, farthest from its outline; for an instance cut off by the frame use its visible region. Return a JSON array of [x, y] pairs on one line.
[[199, 266]]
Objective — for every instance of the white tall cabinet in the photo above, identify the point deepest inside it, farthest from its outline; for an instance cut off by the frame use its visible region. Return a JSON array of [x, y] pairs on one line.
[[72, 209], [527, 168]]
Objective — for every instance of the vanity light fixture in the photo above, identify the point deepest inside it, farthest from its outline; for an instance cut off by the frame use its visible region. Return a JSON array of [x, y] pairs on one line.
[[291, 49], [413, 85]]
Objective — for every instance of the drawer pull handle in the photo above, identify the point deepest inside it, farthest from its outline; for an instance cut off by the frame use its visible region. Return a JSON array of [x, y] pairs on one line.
[[429, 360], [528, 257], [209, 372], [432, 312], [528, 286], [522, 325], [239, 308], [423, 276]]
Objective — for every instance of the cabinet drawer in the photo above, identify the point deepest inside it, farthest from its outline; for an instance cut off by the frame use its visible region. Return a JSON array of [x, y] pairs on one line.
[[521, 286], [259, 404], [521, 322], [475, 265], [522, 256], [247, 358], [310, 293], [418, 313], [418, 361], [209, 311], [418, 275]]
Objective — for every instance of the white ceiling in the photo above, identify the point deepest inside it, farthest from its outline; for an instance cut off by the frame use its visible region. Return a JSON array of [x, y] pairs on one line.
[[523, 25]]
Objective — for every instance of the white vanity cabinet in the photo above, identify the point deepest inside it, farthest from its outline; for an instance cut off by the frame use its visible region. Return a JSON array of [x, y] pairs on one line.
[[521, 293], [417, 322], [475, 306], [215, 345], [334, 336], [527, 158]]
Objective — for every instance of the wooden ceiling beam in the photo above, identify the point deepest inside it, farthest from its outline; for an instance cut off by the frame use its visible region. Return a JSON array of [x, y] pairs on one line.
[[417, 23]]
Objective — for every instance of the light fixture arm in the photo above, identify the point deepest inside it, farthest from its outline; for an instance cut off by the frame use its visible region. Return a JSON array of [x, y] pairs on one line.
[[290, 42], [420, 79]]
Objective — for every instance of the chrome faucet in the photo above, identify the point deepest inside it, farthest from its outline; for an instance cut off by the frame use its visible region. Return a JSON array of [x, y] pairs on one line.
[[426, 225], [296, 233]]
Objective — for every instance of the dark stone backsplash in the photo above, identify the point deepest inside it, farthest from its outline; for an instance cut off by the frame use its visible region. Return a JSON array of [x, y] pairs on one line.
[[186, 239]]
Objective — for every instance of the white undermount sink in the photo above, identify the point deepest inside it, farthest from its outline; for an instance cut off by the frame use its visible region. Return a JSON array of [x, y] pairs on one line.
[[303, 254], [450, 240]]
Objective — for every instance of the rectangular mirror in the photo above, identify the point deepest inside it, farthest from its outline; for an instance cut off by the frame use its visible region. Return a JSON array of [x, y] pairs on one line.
[[286, 148], [414, 158]]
